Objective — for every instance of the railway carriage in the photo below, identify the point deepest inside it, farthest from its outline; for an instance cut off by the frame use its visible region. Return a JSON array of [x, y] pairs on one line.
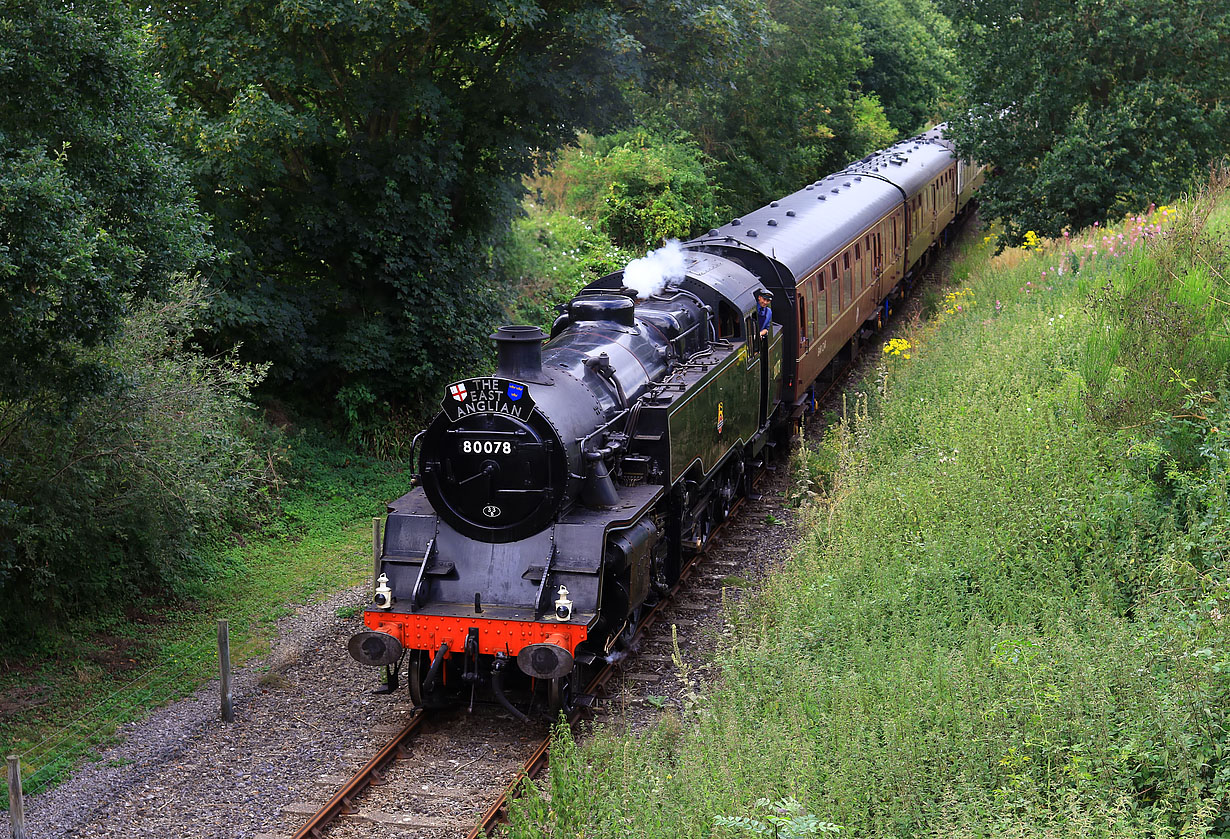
[[556, 497]]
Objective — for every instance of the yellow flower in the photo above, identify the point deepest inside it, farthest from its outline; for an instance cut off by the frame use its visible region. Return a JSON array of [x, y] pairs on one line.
[[897, 346]]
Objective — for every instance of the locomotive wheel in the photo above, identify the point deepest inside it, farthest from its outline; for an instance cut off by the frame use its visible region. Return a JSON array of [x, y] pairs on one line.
[[623, 641], [724, 498], [415, 673], [562, 693], [705, 529], [701, 529]]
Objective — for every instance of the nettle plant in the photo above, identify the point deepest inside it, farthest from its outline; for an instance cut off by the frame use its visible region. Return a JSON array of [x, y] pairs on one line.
[[784, 818]]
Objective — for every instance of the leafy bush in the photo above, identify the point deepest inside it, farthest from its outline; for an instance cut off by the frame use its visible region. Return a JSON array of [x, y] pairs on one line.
[[120, 492], [548, 256], [639, 188]]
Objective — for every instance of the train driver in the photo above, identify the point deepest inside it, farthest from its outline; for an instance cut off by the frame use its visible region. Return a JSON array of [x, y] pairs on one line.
[[764, 312]]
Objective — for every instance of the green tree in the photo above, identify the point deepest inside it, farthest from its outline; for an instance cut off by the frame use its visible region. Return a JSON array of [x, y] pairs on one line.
[[121, 495], [1089, 109], [362, 159], [912, 64], [120, 450], [640, 188], [791, 111], [94, 211]]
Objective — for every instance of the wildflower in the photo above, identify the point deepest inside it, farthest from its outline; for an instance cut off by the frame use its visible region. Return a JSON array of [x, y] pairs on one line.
[[897, 346]]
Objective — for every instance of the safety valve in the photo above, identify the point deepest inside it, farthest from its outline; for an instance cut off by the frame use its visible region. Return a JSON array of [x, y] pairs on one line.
[[563, 606], [384, 594]]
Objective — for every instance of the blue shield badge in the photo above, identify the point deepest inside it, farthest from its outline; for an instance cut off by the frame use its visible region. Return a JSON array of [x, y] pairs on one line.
[[515, 391]]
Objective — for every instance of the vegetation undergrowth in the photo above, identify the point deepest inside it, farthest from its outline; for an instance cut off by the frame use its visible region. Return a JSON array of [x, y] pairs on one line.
[[1007, 617], [66, 694], [604, 203]]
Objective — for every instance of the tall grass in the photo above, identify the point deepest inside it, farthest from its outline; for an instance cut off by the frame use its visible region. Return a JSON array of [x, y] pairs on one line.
[[1007, 616]]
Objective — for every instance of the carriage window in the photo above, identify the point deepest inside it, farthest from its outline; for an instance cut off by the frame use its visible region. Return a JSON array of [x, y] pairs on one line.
[[802, 318], [834, 294], [820, 303], [847, 280]]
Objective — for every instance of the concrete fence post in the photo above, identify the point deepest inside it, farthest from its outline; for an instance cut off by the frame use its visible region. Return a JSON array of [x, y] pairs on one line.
[[224, 665]]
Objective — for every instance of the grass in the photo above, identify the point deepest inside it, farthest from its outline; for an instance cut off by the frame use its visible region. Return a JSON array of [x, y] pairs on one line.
[[83, 681], [1007, 613]]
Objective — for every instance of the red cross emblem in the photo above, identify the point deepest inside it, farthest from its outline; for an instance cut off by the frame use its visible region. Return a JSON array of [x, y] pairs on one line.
[[458, 391]]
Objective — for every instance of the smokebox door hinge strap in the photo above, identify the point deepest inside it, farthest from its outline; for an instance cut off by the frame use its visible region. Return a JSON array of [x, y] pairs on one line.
[[417, 591]]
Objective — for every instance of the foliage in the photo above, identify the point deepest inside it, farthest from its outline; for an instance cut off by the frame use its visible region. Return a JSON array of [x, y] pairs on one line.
[[791, 112], [95, 213], [362, 159], [605, 201], [547, 257], [1088, 110], [119, 450], [1160, 323], [120, 494], [68, 689], [784, 819], [1006, 618], [913, 66], [639, 188]]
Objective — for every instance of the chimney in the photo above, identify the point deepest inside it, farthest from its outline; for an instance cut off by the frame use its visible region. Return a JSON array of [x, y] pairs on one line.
[[520, 354]]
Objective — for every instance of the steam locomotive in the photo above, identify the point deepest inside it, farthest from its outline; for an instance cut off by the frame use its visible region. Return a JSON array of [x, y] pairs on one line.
[[555, 497]]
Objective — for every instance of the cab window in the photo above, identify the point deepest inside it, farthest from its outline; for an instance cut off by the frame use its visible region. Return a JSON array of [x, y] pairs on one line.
[[729, 326]]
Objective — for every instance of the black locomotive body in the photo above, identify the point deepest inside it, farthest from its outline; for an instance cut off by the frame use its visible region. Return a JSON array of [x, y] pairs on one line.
[[558, 494]]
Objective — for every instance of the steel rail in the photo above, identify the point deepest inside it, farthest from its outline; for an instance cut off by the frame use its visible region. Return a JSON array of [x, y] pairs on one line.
[[372, 773], [536, 764]]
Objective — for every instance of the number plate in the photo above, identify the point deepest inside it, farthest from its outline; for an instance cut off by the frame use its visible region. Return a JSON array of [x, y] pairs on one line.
[[485, 447]]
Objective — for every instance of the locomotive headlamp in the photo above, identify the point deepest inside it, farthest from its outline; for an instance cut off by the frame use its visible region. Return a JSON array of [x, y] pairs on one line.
[[563, 606], [384, 594]]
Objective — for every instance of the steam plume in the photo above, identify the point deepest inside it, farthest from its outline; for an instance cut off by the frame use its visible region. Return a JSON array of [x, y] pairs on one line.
[[650, 274]]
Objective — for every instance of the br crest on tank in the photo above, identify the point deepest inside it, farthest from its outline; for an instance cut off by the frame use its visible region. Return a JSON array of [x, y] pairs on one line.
[[557, 497]]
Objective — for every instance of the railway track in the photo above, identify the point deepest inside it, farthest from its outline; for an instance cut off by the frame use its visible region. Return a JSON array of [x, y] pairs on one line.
[[349, 808], [344, 806]]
